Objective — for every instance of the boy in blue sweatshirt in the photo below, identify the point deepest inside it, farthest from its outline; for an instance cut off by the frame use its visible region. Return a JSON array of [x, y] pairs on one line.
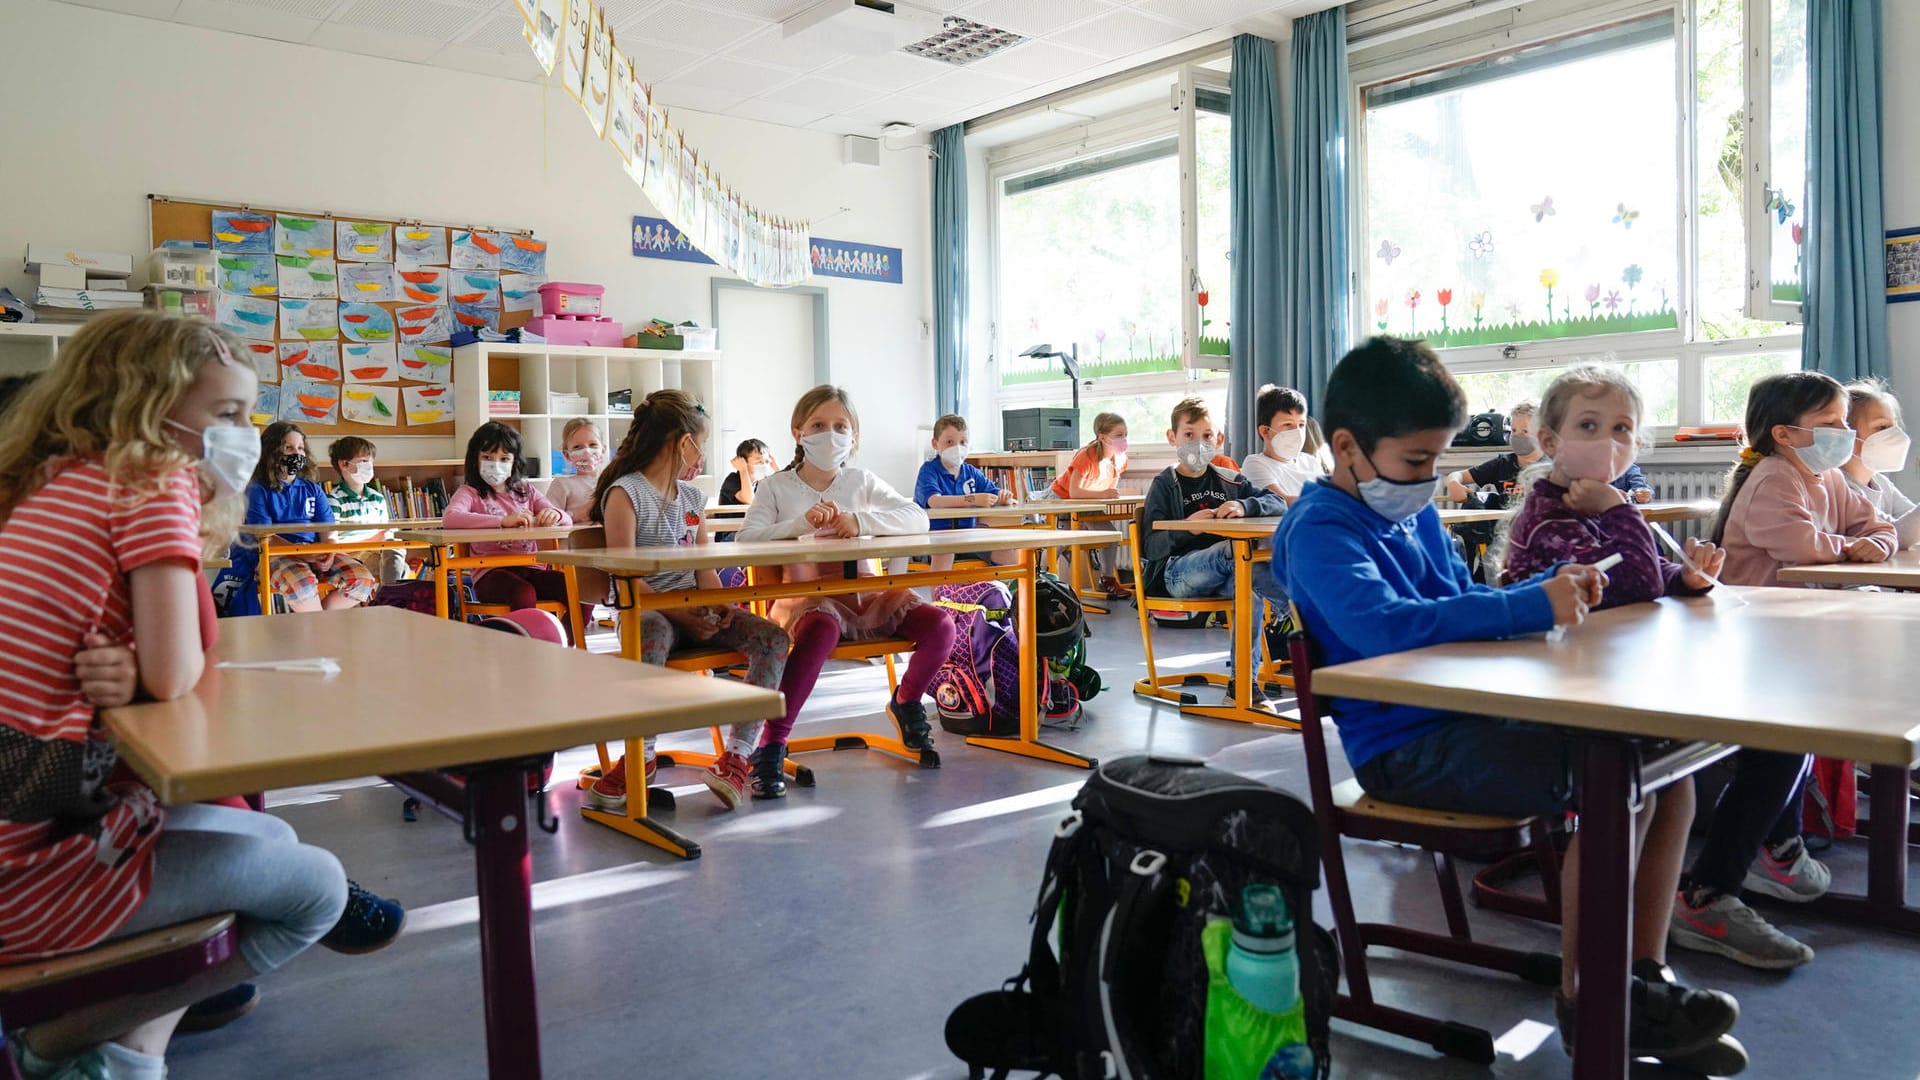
[[1372, 570]]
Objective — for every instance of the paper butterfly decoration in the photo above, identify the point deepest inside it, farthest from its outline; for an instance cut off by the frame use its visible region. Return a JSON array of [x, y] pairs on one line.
[[1542, 210], [1388, 251], [1623, 217], [1780, 206], [1482, 245]]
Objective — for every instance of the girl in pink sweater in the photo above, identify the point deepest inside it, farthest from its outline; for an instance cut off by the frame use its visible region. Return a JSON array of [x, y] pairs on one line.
[[497, 496]]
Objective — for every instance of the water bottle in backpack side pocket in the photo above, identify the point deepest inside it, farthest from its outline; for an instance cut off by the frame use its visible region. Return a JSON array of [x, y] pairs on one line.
[[1256, 1028], [1262, 964]]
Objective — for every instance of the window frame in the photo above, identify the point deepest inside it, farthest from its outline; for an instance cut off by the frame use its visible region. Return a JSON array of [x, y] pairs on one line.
[[1450, 43], [1757, 157], [1140, 125]]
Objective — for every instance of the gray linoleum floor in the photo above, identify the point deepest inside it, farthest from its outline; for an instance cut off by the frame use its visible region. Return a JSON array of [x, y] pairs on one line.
[[826, 936]]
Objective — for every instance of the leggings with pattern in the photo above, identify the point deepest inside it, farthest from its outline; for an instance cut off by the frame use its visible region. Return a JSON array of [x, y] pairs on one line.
[[760, 640], [816, 634]]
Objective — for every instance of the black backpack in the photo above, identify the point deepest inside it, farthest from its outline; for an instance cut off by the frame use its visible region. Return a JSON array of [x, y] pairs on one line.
[[1154, 848], [1058, 619]]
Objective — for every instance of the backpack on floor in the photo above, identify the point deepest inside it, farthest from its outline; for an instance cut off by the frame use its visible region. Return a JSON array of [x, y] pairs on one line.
[[977, 690], [235, 590], [1118, 984], [1832, 803]]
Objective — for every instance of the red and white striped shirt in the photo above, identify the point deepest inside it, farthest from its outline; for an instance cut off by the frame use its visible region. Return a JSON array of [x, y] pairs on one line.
[[75, 849]]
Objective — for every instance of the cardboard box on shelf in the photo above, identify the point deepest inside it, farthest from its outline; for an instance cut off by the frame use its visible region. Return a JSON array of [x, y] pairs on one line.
[[53, 276], [104, 263]]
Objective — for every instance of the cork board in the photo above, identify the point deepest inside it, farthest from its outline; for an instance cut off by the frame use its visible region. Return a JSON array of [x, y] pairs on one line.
[[281, 346]]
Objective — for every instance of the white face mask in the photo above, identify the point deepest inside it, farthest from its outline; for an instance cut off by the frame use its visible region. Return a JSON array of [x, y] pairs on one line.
[[952, 456], [227, 455], [827, 449], [586, 461], [1195, 454], [1288, 443], [1885, 450], [495, 473], [761, 472], [361, 475]]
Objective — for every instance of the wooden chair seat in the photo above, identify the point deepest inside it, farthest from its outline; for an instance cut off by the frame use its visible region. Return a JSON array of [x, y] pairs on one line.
[[35, 991], [1365, 817], [32, 974]]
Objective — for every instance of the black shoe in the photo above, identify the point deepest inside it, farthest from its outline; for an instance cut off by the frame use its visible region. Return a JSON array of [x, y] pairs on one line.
[[221, 1009], [769, 771], [911, 719], [1722, 1057], [369, 924], [1664, 1019]]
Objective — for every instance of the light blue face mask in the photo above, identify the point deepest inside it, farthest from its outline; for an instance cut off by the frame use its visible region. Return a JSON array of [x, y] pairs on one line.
[[1395, 500], [1831, 448]]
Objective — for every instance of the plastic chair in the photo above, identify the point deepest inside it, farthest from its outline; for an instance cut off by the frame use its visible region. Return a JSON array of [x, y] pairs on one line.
[[1346, 810]]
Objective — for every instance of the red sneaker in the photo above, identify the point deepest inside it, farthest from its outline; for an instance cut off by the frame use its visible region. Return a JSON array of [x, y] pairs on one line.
[[729, 776], [610, 791]]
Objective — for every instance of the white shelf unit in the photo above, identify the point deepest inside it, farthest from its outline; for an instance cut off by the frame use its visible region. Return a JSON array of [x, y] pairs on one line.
[[26, 348], [592, 373]]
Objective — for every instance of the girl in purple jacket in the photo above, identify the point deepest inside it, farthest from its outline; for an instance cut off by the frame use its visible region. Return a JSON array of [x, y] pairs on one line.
[[1589, 423]]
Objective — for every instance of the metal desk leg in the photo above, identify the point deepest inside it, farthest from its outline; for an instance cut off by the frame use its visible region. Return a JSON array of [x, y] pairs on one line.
[[1886, 901], [1247, 672], [264, 572], [504, 869], [1606, 909], [1029, 744]]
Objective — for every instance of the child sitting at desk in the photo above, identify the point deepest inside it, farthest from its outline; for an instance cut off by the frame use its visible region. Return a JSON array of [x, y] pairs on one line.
[[646, 498], [1787, 502], [360, 499], [1880, 446], [1589, 425], [1094, 473], [1373, 571], [751, 463], [283, 492], [947, 481], [586, 450], [1500, 471], [1195, 564], [1288, 459], [122, 468], [820, 494], [497, 496]]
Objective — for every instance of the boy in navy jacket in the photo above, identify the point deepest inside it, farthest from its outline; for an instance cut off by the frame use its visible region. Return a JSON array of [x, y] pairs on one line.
[[1372, 570], [1187, 565]]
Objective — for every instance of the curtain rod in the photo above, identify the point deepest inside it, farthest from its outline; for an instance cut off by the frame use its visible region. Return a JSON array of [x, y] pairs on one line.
[[1041, 104]]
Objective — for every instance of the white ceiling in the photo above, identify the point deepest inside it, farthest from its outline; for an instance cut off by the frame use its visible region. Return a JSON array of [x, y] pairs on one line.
[[728, 57]]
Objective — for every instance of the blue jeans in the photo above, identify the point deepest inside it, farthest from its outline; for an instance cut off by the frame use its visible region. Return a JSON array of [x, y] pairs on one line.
[[1209, 572]]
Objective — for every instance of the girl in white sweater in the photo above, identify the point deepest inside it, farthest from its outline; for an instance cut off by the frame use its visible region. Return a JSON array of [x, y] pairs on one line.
[[1880, 446], [820, 494]]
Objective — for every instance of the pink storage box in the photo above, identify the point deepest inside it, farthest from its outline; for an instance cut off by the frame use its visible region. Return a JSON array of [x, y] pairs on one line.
[[570, 298], [603, 333]]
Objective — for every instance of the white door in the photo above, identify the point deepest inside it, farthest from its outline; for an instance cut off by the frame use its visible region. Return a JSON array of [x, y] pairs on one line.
[[766, 345]]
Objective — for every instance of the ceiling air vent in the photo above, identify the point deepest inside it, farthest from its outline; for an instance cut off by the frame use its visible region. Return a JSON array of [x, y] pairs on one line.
[[856, 26], [962, 41]]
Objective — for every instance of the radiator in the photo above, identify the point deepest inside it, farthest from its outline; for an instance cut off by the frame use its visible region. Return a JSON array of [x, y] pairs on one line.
[[1687, 482]]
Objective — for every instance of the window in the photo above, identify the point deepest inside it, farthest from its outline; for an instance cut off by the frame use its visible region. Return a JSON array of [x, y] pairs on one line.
[[1777, 135], [1570, 181], [1213, 267]]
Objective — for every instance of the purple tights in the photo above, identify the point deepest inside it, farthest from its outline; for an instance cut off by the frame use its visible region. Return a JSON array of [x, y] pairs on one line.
[[816, 634]]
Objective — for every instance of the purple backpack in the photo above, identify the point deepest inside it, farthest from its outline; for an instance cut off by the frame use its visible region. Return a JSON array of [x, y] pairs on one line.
[[977, 690]]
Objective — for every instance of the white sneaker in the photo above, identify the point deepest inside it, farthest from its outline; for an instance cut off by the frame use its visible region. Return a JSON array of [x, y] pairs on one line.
[[1732, 929], [1798, 880]]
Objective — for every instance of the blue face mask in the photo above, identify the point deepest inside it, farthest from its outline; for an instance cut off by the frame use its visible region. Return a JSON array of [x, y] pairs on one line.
[[1831, 448], [1395, 500]]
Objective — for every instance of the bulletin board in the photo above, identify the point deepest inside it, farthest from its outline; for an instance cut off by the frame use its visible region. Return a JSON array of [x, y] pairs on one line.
[[347, 317]]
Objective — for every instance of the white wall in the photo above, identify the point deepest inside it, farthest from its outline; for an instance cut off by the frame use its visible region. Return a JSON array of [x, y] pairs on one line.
[[105, 108], [1900, 96]]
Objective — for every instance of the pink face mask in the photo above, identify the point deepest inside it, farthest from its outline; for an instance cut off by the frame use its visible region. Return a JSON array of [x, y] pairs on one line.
[[1119, 445], [1595, 459]]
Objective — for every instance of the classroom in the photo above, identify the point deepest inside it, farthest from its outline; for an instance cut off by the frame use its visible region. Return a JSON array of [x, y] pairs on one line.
[[1214, 539]]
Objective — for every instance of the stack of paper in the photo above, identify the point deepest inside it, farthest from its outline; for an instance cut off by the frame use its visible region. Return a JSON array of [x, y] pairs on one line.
[[76, 305]]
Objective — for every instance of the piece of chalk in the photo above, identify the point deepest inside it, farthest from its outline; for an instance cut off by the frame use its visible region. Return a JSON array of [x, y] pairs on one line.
[[1609, 562]]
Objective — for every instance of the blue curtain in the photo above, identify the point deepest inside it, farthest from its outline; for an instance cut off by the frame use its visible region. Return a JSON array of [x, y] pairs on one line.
[[1256, 194], [950, 271], [1315, 313], [1846, 267]]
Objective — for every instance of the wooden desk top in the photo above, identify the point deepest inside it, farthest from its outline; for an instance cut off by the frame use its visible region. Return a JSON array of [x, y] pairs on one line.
[[1796, 670], [242, 731], [1901, 571], [733, 510], [1261, 527], [1451, 515], [340, 526], [1040, 508], [653, 560], [499, 536], [1693, 510]]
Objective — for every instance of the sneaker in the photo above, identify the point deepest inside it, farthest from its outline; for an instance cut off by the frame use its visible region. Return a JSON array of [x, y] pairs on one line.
[[90, 1064], [610, 791], [769, 771], [1726, 926], [221, 1009], [1279, 634], [1722, 1057], [728, 778], [1799, 879], [911, 718], [1664, 1019], [1114, 589], [369, 924]]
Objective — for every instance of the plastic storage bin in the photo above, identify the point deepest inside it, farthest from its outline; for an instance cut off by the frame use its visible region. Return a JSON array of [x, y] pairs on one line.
[[698, 337], [181, 267], [570, 298]]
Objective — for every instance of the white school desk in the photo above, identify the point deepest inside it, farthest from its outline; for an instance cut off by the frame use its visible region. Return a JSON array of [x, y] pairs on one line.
[[1794, 670], [1246, 534], [448, 555], [514, 701], [626, 564], [270, 544], [1902, 571]]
